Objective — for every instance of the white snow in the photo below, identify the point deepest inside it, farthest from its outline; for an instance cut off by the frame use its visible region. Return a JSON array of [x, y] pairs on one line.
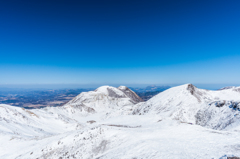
[[178, 123], [186, 101]]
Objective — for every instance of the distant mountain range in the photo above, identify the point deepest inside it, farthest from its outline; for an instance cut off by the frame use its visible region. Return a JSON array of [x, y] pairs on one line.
[[152, 88], [31, 98], [149, 91]]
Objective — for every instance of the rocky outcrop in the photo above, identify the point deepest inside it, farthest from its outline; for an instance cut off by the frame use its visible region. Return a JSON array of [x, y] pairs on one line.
[[130, 94]]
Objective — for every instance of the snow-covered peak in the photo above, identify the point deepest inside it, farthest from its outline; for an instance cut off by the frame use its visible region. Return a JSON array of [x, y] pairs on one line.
[[111, 91], [186, 101], [123, 87], [103, 89], [105, 99], [228, 87], [233, 88], [237, 89]]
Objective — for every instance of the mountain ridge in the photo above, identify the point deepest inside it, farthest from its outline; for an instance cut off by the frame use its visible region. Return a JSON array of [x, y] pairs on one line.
[[113, 122]]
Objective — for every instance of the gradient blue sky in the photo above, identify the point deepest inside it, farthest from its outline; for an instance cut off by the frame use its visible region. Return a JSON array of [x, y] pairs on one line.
[[120, 42]]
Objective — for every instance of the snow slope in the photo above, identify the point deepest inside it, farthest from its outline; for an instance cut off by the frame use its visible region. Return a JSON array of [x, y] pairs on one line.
[[189, 104], [113, 123], [127, 137]]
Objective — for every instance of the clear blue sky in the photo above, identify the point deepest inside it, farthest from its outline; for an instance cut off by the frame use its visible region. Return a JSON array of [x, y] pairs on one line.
[[120, 42]]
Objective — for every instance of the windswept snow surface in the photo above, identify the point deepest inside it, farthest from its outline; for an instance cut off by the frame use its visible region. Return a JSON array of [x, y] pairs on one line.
[[183, 122]]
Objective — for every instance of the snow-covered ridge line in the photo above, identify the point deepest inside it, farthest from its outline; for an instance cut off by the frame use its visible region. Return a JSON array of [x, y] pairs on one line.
[[187, 104], [114, 123]]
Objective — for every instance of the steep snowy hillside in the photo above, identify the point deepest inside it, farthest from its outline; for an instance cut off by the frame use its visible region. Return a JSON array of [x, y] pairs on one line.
[[192, 105], [100, 124], [220, 115], [20, 122]]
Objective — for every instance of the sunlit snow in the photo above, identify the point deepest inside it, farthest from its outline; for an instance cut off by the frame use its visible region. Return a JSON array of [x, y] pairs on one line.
[[182, 122]]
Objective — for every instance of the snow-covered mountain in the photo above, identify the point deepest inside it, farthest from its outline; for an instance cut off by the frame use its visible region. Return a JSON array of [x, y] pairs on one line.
[[106, 97], [100, 103], [189, 104], [105, 100], [181, 122]]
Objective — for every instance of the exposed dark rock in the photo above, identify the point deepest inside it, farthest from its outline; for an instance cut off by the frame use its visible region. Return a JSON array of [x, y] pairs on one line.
[[113, 94], [191, 89], [194, 92], [91, 121], [233, 157], [130, 94]]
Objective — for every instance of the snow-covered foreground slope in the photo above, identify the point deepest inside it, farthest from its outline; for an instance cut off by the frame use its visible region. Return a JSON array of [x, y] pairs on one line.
[[127, 137], [111, 123], [20, 122]]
